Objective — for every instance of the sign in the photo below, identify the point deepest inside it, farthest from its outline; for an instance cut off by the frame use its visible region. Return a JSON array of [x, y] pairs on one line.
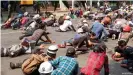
[[26, 2]]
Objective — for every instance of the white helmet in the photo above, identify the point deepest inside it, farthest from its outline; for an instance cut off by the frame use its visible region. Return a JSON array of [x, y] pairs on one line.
[[67, 17], [80, 30], [85, 24], [51, 16], [84, 21], [26, 13], [36, 16], [52, 49], [45, 67]]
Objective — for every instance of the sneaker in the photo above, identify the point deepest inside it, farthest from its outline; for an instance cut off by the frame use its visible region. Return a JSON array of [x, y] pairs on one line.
[[61, 46], [113, 37]]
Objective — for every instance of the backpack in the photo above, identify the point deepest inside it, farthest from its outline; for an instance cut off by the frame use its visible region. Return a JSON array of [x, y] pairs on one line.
[[16, 23], [95, 63], [16, 50], [24, 20]]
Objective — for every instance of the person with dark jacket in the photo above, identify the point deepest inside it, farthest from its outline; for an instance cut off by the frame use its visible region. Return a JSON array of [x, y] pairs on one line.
[[124, 53]]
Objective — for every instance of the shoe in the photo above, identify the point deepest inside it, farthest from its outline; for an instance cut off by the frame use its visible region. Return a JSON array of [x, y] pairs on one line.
[[15, 65], [12, 65], [2, 52], [61, 46], [113, 37]]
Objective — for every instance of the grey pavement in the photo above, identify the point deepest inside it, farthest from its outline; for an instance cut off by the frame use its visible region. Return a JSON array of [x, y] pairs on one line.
[[10, 37]]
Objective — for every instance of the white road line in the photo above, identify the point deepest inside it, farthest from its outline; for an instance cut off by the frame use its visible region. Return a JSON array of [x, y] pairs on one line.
[[11, 32]]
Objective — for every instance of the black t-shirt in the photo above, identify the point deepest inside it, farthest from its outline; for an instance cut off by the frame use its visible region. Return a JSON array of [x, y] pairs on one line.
[[127, 53]]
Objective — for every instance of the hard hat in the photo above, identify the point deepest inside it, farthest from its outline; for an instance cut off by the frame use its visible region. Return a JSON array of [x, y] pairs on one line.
[[67, 17], [26, 13], [85, 24], [80, 30], [51, 16], [45, 67], [84, 21], [52, 49], [36, 16], [127, 28]]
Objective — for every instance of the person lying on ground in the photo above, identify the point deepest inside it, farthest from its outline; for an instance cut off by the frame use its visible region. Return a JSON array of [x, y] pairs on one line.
[[67, 25], [25, 19], [92, 40], [28, 31], [78, 41], [50, 21], [96, 60], [30, 65], [66, 65], [37, 35], [17, 22]]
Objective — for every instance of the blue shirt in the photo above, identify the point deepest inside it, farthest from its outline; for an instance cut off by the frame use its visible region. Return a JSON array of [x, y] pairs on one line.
[[98, 28], [65, 66]]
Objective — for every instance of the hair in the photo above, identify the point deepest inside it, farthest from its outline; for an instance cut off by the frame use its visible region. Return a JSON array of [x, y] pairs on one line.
[[99, 48], [42, 26], [122, 43], [119, 16], [92, 34], [70, 52]]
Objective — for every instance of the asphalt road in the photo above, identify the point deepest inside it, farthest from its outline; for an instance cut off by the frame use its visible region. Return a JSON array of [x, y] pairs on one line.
[[10, 37]]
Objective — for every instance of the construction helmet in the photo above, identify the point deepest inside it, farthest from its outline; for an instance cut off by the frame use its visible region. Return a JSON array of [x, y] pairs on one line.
[[127, 28], [45, 68]]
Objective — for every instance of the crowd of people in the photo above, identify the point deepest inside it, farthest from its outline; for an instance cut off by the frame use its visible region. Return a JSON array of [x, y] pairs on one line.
[[113, 24]]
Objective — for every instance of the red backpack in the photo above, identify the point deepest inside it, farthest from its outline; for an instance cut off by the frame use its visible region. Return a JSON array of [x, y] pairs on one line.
[[95, 63], [24, 20]]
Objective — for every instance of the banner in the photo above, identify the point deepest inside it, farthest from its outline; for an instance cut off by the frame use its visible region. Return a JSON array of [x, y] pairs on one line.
[[26, 2]]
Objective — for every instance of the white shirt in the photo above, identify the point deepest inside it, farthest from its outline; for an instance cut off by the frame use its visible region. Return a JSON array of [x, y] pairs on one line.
[[32, 25], [65, 25], [130, 23]]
